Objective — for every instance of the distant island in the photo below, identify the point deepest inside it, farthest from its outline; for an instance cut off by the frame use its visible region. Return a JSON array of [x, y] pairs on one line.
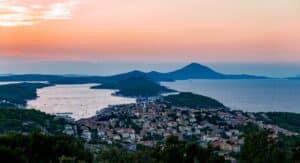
[[130, 84], [191, 71], [294, 78], [135, 87], [154, 128]]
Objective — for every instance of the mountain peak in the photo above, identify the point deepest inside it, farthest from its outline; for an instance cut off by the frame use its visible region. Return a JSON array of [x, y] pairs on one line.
[[194, 71], [135, 72], [195, 65]]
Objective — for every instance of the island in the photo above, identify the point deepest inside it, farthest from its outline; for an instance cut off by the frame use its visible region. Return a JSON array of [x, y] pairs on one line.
[[294, 78], [18, 94], [135, 87], [191, 71]]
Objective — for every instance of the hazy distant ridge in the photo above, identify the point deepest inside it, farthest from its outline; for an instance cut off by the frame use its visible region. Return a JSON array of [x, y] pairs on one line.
[[295, 78], [191, 71]]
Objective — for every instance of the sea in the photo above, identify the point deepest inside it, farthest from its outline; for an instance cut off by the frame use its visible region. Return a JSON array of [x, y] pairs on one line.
[[261, 95], [79, 100]]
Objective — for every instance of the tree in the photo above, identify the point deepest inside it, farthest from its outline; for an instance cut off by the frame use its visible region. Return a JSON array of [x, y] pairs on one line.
[[259, 147], [172, 151], [35, 148], [8, 154], [296, 154]]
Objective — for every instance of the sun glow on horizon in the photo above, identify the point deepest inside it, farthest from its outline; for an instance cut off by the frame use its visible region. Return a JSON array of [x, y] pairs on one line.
[[27, 13], [206, 30]]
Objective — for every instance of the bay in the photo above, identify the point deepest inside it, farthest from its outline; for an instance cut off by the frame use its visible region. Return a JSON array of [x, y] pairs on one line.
[[247, 95]]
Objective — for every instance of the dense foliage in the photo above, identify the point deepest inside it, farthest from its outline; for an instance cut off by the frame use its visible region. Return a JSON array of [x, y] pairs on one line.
[[191, 100], [261, 147], [170, 152], [25, 120], [19, 93], [135, 87], [37, 148], [289, 121]]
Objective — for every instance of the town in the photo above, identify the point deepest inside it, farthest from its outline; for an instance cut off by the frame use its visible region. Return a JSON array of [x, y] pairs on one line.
[[152, 120]]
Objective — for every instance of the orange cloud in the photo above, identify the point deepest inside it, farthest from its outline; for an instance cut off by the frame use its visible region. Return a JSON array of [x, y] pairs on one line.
[[26, 13], [156, 29]]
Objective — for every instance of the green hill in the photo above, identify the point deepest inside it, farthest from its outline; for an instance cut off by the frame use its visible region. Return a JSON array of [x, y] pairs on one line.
[[135, 87], [289, 121], [19, 93], [186, 99], [28, 121]]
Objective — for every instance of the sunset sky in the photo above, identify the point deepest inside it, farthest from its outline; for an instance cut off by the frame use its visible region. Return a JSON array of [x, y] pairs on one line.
[[150, 30]]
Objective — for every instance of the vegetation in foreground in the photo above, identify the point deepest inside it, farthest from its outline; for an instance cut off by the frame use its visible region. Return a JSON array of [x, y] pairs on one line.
[[38, 148], [259, 146], [187, 99], [171, 151], [28, 121]]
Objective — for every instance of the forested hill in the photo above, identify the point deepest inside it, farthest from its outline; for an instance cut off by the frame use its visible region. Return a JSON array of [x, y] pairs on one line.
[[289, 121], [135, 87], [20, 93], [186, 99], [29, 121]]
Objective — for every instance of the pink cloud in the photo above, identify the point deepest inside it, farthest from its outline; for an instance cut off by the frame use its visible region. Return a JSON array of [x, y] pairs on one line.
[[29, 12]]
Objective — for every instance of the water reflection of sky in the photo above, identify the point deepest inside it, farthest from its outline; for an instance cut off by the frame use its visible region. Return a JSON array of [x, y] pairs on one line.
[[80, 100], [247, 95]]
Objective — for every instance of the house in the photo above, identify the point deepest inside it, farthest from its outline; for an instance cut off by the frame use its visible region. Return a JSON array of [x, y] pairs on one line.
[[100, 133], [86, 135], [68, 130], [116, 137], [209, 138]]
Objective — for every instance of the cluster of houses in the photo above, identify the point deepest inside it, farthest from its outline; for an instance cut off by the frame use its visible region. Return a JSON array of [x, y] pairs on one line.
[[150, 122]]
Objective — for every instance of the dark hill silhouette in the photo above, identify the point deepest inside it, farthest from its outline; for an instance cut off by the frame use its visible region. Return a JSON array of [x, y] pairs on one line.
[[294, 78], [194, 71], [135, 87], [191, 71]]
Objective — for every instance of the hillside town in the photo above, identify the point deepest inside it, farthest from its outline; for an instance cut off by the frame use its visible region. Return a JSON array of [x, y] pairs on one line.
[[150, 121]]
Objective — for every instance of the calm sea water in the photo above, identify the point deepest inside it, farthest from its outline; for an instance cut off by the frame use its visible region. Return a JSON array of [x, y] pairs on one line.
[[6, 83], [247, 95], [80, 100]]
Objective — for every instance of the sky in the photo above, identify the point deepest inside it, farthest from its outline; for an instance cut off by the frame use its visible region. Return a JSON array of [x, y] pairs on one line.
[[259, 31]]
